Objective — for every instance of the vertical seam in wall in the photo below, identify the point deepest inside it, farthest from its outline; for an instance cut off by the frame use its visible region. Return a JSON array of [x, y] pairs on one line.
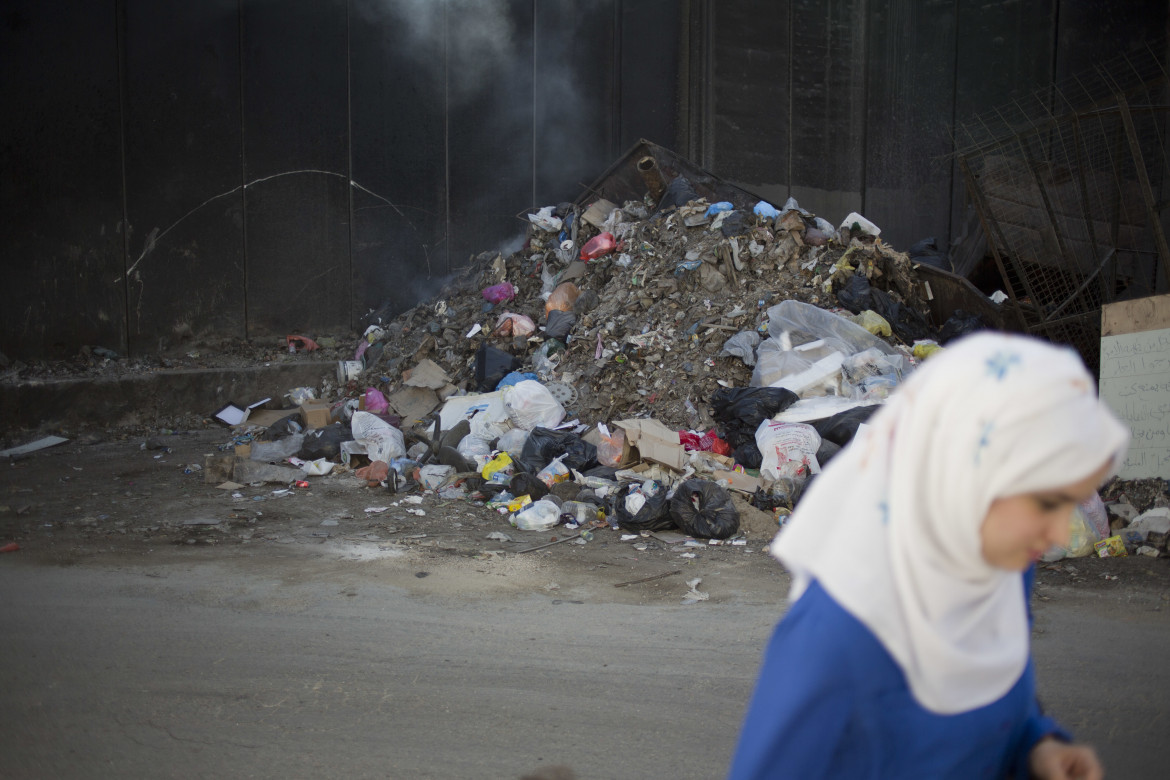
[[864, 103], [532, 197], [349, 154], [120, 55], [446, 146], [952, 228], [1055, 53], [791, 100], [615, 130], [243, 166]]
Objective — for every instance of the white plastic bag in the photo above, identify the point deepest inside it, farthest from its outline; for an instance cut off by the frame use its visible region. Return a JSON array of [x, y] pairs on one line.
[[485, 426], [788, 449], [1087, 525], [383, 441], [774, 361], [513, 441], [806, 322], [556, 471], [537, 516], [530, 405], [317, 468], [475, 448]]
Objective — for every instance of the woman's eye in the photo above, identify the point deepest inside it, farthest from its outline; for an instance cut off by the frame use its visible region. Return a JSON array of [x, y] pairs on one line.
[[1048, 505]]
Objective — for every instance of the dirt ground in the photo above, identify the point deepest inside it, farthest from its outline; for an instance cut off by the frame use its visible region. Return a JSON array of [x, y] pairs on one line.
[[102, 499]]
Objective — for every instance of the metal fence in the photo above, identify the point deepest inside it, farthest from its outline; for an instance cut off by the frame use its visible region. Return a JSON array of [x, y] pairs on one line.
[[1071, 187]]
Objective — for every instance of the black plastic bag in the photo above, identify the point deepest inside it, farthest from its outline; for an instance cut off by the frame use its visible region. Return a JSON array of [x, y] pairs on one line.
[[678, 193], [827, 451], [960, 324], [559, 324], [290, 424], [527, 484], [544, 444], [857, 295], [734, 224], [907, 324], [740, 410], [748, 455], [854, 295], [653, 516], [701, 508], [492, 365], [325, 442], [841, 427], [927, 251]]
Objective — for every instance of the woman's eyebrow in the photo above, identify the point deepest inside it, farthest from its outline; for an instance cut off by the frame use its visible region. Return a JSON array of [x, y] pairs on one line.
[[1058, 497]]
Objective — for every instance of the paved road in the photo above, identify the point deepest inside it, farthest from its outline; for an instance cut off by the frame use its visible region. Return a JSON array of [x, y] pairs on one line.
[[214, 670]]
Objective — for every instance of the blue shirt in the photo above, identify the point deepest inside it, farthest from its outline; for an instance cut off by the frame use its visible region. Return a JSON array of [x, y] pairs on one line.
[[832, 702]]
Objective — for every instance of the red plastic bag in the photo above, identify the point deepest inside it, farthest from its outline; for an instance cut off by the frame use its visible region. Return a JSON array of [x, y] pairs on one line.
[[598, 246], [703, 442]]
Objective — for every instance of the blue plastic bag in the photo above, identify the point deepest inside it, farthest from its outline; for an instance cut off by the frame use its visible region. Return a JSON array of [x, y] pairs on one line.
[[515, 377], [766, 210]]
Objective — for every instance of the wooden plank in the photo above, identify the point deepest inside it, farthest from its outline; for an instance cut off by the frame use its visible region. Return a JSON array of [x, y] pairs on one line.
[[1143, 314]]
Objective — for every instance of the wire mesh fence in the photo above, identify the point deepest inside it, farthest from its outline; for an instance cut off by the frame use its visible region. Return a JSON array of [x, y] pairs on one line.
[[1071, 186]]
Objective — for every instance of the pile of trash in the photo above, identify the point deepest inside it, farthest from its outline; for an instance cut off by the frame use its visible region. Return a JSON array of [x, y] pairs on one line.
[[630, 366]]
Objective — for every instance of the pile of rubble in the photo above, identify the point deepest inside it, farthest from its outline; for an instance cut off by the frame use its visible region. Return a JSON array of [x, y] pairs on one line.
[[650, 316], [630, 366], [623, 365]]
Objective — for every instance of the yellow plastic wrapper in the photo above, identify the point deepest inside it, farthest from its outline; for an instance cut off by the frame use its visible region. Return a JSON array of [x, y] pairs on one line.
[[519, 502], [873, 322], [1113, 547], [501, 461], [926, 348]]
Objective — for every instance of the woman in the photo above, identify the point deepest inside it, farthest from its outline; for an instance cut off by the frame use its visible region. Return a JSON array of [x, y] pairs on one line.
[[905, 651]]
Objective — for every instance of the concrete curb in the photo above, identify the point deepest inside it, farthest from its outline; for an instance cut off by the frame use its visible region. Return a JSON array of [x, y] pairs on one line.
[[142, 398]]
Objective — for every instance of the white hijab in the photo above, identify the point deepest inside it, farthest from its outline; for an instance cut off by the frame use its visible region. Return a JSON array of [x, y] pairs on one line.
[[891, 529]]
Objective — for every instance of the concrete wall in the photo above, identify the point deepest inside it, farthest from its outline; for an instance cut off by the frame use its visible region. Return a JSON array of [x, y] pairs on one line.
[[849, 105], [256, 167]]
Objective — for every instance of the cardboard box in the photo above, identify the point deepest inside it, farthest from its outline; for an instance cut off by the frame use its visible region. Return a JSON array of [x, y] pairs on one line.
[[654, 442], [629, 455], [316, 414], [265, 418], [744, 483]]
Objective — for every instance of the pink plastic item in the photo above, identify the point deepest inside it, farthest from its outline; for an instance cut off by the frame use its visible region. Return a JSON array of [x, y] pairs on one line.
[[598, 246], [498, 293], [376, 403]]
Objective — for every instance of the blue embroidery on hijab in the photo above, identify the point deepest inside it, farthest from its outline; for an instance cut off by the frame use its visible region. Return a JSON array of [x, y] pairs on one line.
[[984, 440], [884, 512], [998, 364]]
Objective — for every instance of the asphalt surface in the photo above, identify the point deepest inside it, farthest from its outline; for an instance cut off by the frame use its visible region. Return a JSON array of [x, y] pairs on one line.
[[206, 667]]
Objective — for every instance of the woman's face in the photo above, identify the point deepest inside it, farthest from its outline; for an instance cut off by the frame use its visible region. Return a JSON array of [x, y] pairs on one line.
[[1019, 529]]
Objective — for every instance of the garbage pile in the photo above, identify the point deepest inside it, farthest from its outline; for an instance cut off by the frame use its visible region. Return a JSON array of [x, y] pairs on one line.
[[632, 367], [627, 367]]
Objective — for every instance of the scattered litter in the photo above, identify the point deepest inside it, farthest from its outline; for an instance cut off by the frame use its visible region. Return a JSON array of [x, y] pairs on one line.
[[694, 595]]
